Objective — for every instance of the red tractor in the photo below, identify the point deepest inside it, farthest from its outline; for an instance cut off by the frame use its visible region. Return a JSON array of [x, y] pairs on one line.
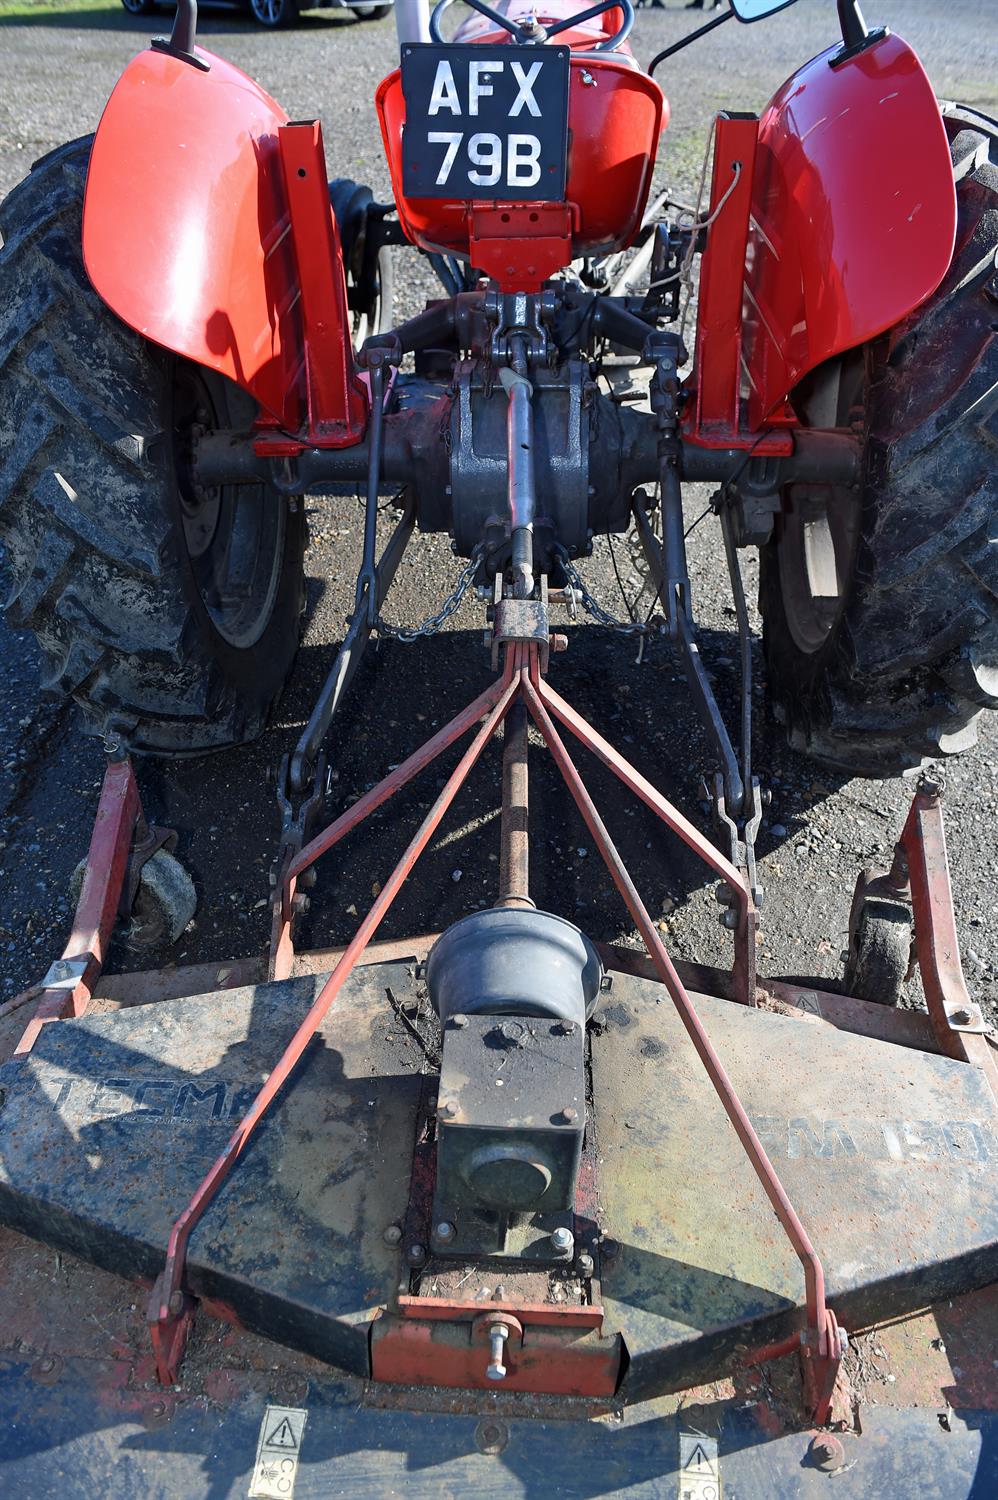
[[196, 334], [840, 395]]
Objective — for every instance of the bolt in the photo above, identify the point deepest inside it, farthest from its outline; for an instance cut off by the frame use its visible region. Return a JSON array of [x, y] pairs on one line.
[[176, 1302], [417, 1255], [568, 1116], [459, 1021], [46, 1365], [448, 1109], [827, 1453], [729, 918], [558, 643], [562, 1241], [961, 1017], [929, 787], [445, 1232], [565, 1028], [392, 1235], [498, 1334], [585, 1264]]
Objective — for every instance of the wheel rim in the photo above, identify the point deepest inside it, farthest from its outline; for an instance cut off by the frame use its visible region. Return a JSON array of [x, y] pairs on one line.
[[268, 12], [816, 548], [234, 533]]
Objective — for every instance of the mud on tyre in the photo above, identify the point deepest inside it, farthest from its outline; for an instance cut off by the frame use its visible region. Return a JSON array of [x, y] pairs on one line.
[[880, 605], [169, 613]]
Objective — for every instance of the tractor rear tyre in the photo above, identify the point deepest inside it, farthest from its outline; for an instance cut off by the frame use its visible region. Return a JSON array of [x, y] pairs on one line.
[[880, 604], [169, 613]]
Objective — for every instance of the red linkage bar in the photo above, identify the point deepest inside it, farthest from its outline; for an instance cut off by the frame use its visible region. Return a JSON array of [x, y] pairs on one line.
[[824, 1347], [652, 799], [169, 1311], [97, 909], [396, 780]]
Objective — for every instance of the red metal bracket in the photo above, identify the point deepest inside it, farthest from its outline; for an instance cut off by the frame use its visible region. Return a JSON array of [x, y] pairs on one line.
[[70, 982], [717, 361], [337, 409], [951, 1010], [519, 245]]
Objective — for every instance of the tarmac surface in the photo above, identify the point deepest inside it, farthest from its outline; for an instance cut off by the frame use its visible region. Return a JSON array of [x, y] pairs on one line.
[[55, 74]]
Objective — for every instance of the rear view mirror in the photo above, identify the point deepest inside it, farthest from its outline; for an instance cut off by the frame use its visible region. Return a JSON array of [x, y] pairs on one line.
[[755, 10]]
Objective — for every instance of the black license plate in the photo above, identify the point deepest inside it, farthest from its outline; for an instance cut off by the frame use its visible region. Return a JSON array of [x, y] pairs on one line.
[[485, 122]]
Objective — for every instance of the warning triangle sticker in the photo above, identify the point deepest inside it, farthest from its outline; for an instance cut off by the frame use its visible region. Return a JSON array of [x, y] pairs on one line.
[[698, 1461], [283, 1436]]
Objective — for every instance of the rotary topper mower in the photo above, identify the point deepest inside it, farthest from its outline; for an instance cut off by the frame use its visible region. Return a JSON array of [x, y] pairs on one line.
[[619, 1176]]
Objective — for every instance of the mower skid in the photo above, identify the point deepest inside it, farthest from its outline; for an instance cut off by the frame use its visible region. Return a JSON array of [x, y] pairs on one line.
[[191, 237]]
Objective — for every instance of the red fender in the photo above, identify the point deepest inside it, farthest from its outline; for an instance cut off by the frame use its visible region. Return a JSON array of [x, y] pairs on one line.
[[188, 237], [853, 217]]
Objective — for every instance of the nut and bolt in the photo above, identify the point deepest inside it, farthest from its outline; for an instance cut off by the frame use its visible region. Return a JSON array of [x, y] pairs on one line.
[[498, 1334], [562, 1241], [961, 1017], [827, 1453], [568, 1116], [46, 1365], [729, 918], [585, 1264], [417, 1255], [459, 1021], [392, 1235], [447, 1110], [565, 1028], [445, 1232]]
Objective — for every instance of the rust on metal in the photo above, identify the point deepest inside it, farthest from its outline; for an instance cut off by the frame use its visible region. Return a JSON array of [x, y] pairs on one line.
[[118, 812], [923, 840], [548, 1314], [560, 1361], [514, 841]]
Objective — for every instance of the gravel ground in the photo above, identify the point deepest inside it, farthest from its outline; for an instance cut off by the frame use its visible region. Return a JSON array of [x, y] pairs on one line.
[[55, 73]]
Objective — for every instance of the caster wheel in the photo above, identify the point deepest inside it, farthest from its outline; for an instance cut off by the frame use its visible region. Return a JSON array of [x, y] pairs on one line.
[[879, 952], [164, 904]]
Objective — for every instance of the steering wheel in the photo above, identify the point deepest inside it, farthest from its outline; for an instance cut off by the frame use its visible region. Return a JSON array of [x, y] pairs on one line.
[[537, 35]]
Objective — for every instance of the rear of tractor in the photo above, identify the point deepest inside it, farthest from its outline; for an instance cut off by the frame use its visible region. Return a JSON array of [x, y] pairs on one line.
[[528, 1216]]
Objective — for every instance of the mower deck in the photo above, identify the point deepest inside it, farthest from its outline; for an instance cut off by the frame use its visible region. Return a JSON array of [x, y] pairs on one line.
[[112, 1120]]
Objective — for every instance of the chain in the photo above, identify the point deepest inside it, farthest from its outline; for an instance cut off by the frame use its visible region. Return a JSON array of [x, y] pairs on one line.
[[430, 626], [595, 609]]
